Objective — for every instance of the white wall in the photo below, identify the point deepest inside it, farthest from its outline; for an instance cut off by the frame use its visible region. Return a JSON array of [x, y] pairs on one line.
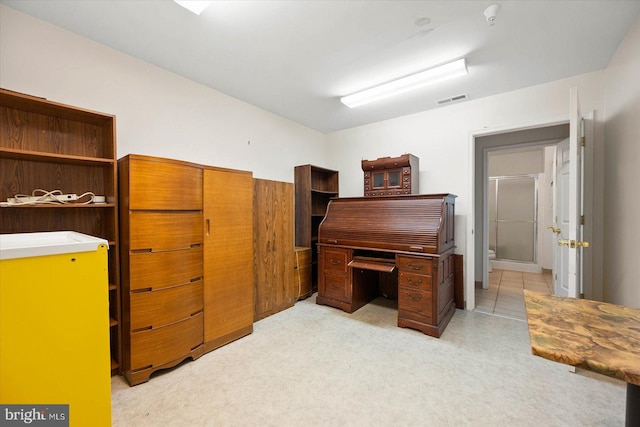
[[518, 162], [157, 112], [442, 139], [622, 173], [160, 113]]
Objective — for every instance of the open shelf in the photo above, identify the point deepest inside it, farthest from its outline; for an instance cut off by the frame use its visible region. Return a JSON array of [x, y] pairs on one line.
[[51, 146]]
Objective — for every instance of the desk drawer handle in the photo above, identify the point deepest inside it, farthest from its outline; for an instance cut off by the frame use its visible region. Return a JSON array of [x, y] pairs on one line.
[[335, 287], [334, 262], [415, 266], [414, 297], [419, 282]]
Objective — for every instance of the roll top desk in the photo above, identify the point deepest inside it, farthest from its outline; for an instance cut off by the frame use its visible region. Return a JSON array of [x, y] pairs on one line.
[[365, 243]]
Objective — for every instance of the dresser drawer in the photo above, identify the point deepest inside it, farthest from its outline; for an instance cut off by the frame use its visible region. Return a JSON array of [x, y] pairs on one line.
[[165, 231], [335, 286], [164, 186], [414, 281], [414, 304], [335, 259], [158, 270], [153, 309], [158, 346], [415, 264]]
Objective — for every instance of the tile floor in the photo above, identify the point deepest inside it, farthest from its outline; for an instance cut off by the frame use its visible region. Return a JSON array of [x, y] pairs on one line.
[[505, 296]]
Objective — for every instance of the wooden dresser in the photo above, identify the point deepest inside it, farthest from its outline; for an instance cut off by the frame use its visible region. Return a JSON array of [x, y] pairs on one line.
[[366, 244], [181, 240]]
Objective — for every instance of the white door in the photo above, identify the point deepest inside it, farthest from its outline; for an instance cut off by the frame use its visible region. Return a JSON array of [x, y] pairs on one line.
[[561, 219], [569, 180]]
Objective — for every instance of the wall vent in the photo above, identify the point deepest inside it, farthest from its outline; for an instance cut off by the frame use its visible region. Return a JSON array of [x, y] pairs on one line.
[[452, 99]]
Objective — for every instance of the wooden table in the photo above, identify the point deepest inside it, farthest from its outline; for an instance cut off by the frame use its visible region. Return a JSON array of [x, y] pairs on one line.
[[592, 335]]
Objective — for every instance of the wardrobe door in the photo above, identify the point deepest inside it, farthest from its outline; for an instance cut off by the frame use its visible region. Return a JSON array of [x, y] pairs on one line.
[[228, 256]]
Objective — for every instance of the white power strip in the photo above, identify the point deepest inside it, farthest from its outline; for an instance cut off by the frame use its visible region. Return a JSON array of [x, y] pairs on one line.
[[44, 198]]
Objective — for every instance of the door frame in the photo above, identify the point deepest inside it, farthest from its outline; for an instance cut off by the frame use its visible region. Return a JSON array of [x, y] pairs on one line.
[[479, 160], [593, 209]]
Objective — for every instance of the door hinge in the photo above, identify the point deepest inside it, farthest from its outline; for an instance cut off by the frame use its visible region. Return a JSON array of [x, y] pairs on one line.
[[583, 141], [581, 219]]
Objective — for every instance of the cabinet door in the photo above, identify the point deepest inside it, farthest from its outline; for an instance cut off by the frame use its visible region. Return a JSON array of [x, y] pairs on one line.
[[228, 256], [394, 178], [378, 180]]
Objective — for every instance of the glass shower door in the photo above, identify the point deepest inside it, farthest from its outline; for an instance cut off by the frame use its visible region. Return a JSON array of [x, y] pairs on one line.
[[513, 217]]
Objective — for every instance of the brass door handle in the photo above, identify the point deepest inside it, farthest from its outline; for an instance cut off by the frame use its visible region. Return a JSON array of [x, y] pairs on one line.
[[553, 229], [573, 243]]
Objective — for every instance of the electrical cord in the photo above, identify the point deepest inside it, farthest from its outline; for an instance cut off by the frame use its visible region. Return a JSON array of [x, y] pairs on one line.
[[53, 197], [298, 271]]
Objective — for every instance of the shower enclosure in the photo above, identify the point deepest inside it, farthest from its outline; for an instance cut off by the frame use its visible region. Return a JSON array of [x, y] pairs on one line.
[[513, 214]]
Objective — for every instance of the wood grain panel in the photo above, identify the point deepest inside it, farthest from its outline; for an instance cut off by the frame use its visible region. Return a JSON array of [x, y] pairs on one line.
[[228, 254], [92, 220], [165, 230], [173, 186], [153, 309], [273, 247], [302, 272], [22, 177], [51, 133], [158, 270]]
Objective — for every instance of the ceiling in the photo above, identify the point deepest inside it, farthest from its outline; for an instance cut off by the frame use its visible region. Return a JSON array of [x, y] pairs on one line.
[[296, 58]]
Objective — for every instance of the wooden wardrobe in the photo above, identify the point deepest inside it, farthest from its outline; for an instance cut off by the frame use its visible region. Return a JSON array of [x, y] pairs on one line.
[[186, 261]]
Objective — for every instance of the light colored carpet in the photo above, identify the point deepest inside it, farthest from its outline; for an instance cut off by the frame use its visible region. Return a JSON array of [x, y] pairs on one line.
[[314, 365]]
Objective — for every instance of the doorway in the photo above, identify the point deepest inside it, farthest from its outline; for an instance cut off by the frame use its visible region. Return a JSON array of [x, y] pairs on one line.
[[519, 202], [541, 133], [513, 140]]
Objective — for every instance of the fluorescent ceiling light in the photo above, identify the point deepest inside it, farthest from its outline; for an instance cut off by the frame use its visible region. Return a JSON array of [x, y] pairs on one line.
[[405, 84], [195, 6]]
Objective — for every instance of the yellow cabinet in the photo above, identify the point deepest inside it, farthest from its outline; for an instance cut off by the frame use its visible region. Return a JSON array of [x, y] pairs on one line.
[[54, 327]]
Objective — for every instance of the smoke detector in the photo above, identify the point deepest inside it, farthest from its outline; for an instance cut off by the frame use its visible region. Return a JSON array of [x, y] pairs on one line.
[[490, 13]]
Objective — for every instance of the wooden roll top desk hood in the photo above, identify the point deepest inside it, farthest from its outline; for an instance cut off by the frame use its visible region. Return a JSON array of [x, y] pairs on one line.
[[414, 223]]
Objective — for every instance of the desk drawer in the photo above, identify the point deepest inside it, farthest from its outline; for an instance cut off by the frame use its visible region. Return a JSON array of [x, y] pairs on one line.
[[153, 309], [414, 281], [335, 259], [414, 304], [335, 286], [158, 346], [415, 265]]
